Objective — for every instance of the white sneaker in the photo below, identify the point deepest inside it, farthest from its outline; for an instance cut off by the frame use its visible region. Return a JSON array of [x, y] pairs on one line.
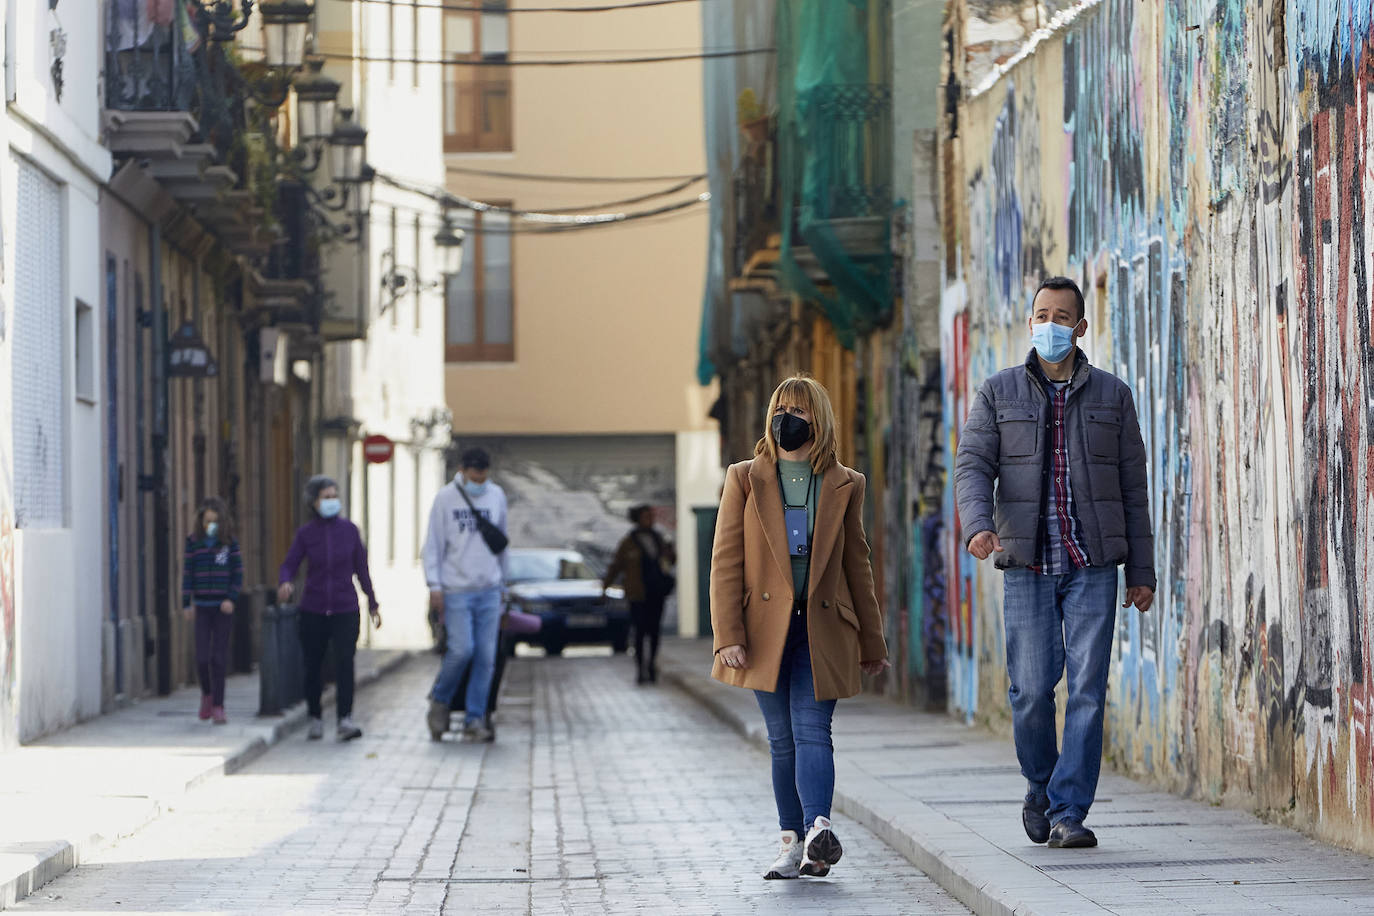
[[316, 730], [822, 849], [348, 729], [788, 863]]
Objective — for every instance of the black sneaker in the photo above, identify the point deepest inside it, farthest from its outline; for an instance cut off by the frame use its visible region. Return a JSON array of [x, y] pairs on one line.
[[1071, 834], [1035, 818]]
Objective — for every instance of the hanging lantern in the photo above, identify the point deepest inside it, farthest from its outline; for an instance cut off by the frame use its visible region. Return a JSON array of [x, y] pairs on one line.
[[449, 242], [316, 103], [285, 24], [347, 144]]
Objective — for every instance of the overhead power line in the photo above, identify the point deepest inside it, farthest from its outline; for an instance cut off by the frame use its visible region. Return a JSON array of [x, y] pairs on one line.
[[589, 179], [440, 194], [543, 220], [552, 62], [478, 8]]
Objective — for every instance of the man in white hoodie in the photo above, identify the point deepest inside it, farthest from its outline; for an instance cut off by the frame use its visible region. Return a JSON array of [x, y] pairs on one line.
[[466, 580]]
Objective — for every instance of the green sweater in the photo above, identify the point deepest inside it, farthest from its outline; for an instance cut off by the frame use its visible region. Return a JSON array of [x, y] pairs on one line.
[[796, 491]]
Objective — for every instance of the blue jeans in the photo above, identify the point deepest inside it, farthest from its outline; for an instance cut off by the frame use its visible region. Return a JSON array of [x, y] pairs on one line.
[[1051, 621], [473, 623], [799, 738]]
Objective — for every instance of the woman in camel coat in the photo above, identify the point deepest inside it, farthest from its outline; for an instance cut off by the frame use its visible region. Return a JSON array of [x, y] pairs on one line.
[[793, 609]]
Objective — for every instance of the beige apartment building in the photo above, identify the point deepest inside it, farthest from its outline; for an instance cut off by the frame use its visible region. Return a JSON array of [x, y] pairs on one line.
[[571, 353]]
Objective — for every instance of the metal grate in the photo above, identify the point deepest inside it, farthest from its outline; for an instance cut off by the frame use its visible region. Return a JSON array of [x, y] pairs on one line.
[[39, 354], [1156, 863]]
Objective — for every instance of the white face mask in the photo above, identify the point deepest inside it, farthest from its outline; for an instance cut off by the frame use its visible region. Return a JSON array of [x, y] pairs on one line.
[[330, 507]]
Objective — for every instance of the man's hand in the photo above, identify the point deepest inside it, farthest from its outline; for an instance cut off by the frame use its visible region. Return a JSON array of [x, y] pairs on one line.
[[376, 614], [875, 667], [1142, 596], [984, 544], [284, 592], [226, 606], [436, 599], [734, 657], [187, 612]]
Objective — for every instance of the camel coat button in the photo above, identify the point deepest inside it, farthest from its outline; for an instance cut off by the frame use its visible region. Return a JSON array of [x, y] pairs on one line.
[[825, 604], [765, 596]]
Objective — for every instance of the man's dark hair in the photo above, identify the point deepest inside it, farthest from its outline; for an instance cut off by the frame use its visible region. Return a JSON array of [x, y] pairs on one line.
[[636, 511], [1062, 283], [476, 458]]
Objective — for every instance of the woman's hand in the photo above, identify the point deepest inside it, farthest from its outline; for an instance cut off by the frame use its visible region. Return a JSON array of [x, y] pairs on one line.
[[734, 657], [187, 612], [875, 667], [284, 592], [376, 618], [226, 606]]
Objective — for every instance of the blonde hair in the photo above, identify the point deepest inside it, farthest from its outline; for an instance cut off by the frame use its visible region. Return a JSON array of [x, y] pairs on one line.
[[803, 391]]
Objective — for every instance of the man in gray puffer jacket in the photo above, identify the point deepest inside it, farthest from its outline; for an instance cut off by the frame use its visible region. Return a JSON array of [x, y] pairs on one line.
[[1062, 443]]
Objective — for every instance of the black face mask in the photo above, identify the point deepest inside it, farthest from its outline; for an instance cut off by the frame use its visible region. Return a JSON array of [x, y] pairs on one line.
[[790, 432]]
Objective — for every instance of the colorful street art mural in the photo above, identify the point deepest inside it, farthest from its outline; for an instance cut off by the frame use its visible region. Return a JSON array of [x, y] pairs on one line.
[[1205, 169]]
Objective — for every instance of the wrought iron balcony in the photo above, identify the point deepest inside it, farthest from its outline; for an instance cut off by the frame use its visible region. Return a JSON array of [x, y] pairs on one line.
[[170, 98], [846, 163], [755, 196]]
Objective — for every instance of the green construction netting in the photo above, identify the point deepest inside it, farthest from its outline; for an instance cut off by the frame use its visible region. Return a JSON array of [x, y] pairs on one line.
[[831, 81], [835, 157]]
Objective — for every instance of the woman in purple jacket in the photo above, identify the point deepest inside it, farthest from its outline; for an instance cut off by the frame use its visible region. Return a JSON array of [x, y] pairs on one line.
[[334, 550]]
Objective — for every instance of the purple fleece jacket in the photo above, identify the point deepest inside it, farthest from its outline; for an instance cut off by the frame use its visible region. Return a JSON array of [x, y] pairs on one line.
[[335, 552]]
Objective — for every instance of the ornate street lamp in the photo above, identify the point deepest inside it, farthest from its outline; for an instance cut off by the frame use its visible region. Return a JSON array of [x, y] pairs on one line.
[[285, 24], [449, 243], [346, 146], [216, 19], [362, 194], [316, 103]]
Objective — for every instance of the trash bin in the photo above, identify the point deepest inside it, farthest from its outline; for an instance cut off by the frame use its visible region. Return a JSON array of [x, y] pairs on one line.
[[706, 537], [280, 675], [243, 647]]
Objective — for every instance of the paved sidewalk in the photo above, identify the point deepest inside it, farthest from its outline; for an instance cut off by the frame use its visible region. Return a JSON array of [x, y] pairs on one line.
[[597, 797], [949, 797], [65, 796]]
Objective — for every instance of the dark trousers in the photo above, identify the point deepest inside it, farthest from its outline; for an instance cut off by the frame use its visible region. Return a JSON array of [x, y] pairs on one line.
[[647, 619], [212, 650], [317, 632]]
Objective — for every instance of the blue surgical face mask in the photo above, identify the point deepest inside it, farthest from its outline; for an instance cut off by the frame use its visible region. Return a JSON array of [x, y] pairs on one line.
[[475, 489], [330, 507], [1052, 341], [212, 530]]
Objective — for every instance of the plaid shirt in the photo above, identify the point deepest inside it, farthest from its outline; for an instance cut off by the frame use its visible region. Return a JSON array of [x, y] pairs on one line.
[[1063, 549]]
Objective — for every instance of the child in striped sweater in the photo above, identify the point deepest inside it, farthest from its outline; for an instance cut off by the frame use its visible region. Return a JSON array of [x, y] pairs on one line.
[[210, 582]]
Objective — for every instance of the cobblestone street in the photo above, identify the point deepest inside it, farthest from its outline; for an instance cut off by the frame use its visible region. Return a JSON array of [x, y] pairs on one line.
[[597, 797]]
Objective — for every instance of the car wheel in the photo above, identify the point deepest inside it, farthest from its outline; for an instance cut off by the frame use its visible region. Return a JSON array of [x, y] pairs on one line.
[[553, 648], [620, 640]]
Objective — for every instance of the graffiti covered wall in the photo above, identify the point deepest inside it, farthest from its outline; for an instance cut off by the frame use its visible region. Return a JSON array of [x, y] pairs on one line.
[[1205, 169]]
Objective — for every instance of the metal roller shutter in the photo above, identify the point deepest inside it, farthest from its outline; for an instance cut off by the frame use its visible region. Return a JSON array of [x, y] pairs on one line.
[[39, 354]]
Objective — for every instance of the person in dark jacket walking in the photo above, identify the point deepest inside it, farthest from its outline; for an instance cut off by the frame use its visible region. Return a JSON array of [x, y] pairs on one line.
[[639, 560], [211, 579], [333, 548], [1062, 442]]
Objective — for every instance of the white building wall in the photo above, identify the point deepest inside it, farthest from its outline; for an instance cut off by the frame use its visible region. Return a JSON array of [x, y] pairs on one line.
[[59, 575], [395, 376]]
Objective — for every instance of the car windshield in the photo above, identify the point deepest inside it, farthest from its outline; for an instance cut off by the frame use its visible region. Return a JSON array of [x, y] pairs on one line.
[[544, 567]]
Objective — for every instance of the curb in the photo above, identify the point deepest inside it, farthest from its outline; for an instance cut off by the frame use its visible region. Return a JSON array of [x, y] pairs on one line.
[[950, 857], [51, 859]]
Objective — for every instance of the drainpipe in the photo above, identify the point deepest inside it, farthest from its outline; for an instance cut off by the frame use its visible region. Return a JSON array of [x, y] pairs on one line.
[[162, 515]]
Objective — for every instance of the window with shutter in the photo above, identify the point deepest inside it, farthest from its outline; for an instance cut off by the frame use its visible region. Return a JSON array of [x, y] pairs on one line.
[[39, 360]]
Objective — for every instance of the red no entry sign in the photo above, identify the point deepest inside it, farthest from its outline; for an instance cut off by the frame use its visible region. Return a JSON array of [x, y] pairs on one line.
[[378, 449]]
